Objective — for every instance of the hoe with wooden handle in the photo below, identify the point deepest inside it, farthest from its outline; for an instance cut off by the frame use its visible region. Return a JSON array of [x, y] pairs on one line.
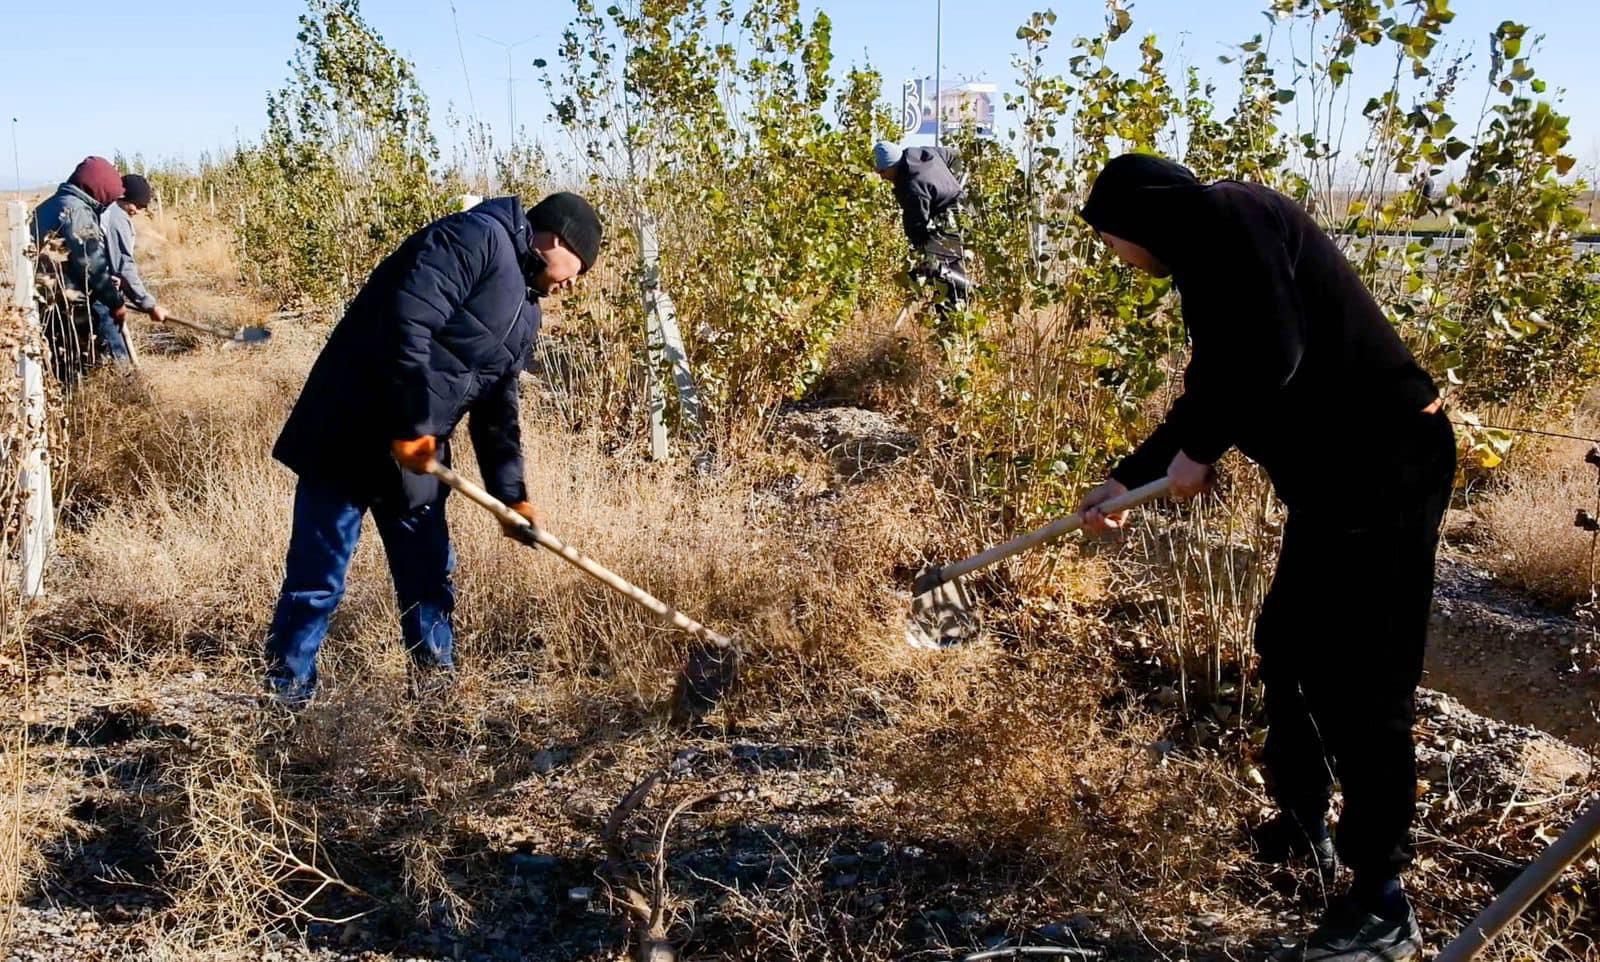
[[939, 608], [713, 664], [244, 335]]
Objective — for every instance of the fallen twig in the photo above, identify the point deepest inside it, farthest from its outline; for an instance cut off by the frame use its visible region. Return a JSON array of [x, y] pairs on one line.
[[1033, 951], [648, 912]]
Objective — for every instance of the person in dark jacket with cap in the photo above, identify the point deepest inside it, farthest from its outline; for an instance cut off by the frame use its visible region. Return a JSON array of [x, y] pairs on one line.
[[73, 262], [116, 223], [927, 191], [1293, 362], [440, 331]]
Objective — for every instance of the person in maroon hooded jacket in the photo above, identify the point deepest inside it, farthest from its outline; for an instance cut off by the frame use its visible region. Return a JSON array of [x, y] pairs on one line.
[[75, 265]]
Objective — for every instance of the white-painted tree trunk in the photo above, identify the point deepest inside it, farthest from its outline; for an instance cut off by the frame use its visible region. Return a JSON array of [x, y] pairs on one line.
[[38, 518]]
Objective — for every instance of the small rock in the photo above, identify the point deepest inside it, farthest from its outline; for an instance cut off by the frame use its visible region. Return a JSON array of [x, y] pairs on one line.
[[582, 893], [683, 762]]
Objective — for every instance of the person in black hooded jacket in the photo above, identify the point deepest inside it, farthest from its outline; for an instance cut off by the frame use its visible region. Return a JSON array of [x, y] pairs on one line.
[[440, 331], [1293, 362]]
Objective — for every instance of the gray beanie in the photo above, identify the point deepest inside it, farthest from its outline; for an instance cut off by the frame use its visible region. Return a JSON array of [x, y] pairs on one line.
[[885, 155]]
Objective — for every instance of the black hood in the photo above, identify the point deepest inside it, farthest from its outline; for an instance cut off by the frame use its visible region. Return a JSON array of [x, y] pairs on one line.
[[1153, 202]]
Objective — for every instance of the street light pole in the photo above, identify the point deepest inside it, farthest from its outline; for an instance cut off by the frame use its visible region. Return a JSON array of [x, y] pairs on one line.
[[511, 96], [938, 73], [16, 157]]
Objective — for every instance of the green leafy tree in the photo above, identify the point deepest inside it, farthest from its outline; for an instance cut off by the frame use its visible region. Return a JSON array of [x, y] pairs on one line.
[[712, 124], [343, 172]]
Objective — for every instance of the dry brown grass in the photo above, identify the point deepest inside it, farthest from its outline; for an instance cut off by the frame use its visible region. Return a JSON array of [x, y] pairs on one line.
[[1530, 523], [177, 250], [200, 511], [1029, 753]]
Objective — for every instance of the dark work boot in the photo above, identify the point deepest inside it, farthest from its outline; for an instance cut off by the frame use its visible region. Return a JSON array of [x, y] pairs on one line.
[[1284, 839], [1351, 932]]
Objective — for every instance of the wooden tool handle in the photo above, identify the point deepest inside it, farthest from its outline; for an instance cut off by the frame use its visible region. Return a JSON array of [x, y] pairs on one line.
[[577, 559], [1049, 532], [203, 329], [1527, 888]]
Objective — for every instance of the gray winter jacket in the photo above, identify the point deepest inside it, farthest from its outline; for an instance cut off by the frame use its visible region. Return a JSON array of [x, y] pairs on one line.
[[72, 216], [118, 228], [926, 189]]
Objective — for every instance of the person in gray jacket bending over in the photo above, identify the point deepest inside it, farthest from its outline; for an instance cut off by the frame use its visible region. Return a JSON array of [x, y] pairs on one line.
[[117, 224], [928, 192]]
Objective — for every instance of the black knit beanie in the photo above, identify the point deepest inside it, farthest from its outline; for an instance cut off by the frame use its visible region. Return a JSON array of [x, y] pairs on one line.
[[136, 190], [572, 219]]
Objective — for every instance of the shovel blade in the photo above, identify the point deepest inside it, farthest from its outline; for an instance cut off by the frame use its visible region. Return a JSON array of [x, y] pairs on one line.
[[709, 674], [252, 335], [941, 617]]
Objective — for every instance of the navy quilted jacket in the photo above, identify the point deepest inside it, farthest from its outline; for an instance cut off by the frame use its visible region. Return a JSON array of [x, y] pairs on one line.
[[441, 330]]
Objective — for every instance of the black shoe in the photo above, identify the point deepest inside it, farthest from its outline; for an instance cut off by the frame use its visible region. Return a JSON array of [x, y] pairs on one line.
[[1351, 933], [1283, 839]]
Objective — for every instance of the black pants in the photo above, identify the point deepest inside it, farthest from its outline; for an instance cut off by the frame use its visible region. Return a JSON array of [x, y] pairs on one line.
[[1341, 637], [943, 266]]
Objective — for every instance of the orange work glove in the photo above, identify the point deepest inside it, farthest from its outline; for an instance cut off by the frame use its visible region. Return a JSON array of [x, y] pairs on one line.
[[527, 510], [416, 454]]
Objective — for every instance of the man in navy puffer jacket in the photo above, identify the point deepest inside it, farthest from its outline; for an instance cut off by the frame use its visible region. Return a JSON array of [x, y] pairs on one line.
[[439, 332]]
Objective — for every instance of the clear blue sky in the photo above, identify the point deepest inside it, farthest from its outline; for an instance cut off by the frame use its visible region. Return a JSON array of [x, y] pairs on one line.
[[174, 78]]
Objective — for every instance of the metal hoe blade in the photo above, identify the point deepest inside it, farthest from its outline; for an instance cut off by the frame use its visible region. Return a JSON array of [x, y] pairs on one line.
[[710, 672], [941, 614], [251, 335], [940, 609]]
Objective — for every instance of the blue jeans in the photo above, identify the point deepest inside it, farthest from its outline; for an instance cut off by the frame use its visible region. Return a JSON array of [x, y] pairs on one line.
[[327, 525], [108, 334]]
